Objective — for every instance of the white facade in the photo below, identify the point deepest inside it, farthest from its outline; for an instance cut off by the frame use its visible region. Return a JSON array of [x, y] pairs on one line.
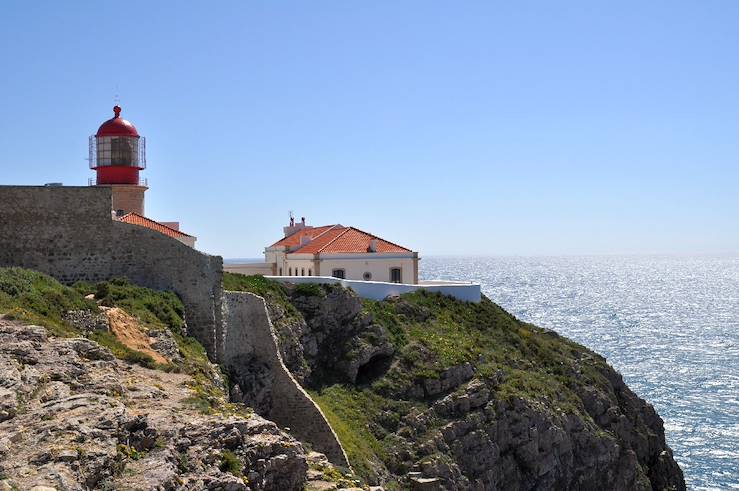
[[370, 266]]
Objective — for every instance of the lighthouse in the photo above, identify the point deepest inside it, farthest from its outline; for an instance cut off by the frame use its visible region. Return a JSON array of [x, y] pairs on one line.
[[118, 155]]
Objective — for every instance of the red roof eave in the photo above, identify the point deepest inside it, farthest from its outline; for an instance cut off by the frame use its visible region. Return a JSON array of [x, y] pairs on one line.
[[136, 219]]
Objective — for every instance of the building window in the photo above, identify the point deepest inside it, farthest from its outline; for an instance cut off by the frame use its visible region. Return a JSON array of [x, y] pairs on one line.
[[280, 272], [302, 271], [396, 275], [338, 273], [367, 276], [310, 272], [289, 271]]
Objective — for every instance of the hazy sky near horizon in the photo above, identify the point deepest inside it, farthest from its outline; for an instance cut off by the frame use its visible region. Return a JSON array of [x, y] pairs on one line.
[[450, 127]]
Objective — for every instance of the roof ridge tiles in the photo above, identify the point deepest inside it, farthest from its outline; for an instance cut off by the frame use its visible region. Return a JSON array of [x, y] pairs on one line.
[[346, 229], [327, 230]]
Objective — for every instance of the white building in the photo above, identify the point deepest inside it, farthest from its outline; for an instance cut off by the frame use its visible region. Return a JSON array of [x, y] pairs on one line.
[[372, 267], [338, 251]]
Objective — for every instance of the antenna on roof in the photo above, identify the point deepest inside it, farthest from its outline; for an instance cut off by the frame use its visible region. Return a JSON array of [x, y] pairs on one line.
[[292, 218]]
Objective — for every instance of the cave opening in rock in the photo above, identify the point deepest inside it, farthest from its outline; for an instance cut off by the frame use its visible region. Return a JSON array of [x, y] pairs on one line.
[[373, 369]]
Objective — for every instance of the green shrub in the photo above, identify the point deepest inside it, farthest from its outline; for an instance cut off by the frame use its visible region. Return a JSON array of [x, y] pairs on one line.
[[256, 284], [155, 308], [102, 290], [230, 462], [272, 291], [122, 351], [183, 462], [130, 452], [309, 290]]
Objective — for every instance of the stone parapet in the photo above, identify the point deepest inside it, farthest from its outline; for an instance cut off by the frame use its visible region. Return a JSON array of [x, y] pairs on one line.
[[249, 334]]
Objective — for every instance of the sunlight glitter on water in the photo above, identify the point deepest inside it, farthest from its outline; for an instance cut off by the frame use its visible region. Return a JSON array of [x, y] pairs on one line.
[[669, 324]]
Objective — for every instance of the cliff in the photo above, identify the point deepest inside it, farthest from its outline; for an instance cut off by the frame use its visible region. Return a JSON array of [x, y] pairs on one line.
[[431, 393], [101, 389]]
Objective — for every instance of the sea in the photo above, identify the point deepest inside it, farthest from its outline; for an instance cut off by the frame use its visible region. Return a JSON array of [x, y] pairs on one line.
[[668, 324]]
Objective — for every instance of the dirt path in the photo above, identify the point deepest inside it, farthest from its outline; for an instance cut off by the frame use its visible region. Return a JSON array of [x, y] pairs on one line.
[[129, 331]]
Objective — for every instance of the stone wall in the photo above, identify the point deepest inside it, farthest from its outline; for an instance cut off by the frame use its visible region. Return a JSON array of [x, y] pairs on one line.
[[249, 335], [68, 233], [129, 198]]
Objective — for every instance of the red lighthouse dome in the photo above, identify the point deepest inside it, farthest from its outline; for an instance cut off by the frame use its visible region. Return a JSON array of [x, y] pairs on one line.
[[117, 126], [117, 152]]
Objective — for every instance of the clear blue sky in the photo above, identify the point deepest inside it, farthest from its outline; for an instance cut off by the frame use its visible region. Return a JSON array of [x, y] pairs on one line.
[[451, 127]]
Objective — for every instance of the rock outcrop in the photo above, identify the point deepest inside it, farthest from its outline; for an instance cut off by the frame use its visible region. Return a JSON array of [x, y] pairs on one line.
[[529, 410], [331, 339], [488, 443], [73, 417], [424, 392]]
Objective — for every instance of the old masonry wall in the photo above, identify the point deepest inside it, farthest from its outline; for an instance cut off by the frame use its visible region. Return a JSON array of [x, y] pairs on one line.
[[68, 233]]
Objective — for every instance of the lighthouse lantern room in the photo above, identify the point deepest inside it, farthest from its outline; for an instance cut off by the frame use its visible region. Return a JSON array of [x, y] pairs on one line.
[[117, 155]]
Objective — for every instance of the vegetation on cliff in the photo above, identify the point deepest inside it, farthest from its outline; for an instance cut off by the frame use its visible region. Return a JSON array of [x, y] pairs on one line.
[[465, 394], [73, 417], [433, 334], [81, 408], [419, 387], [33, 297], [275, 293]]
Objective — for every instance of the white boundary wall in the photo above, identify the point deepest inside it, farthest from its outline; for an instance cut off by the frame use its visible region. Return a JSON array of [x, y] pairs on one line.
[[379, 290]]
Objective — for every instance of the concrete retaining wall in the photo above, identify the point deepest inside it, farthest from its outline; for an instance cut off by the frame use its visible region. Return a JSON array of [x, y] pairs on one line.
[[379, 290], [249, 331], [68, 233]]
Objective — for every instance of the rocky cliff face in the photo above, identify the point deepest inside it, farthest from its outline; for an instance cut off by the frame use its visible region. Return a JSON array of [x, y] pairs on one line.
[[112, 394], [73, 417], [424, 392], [331, 338], [434, 394]]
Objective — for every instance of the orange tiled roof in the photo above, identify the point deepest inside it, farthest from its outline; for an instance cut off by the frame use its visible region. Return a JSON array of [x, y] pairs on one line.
[[137, 219], [334, 239], [316, 245], [294, 239]]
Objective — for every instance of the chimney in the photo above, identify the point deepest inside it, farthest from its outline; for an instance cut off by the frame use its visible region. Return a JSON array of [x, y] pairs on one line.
[[373, 245], [294, 227]]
